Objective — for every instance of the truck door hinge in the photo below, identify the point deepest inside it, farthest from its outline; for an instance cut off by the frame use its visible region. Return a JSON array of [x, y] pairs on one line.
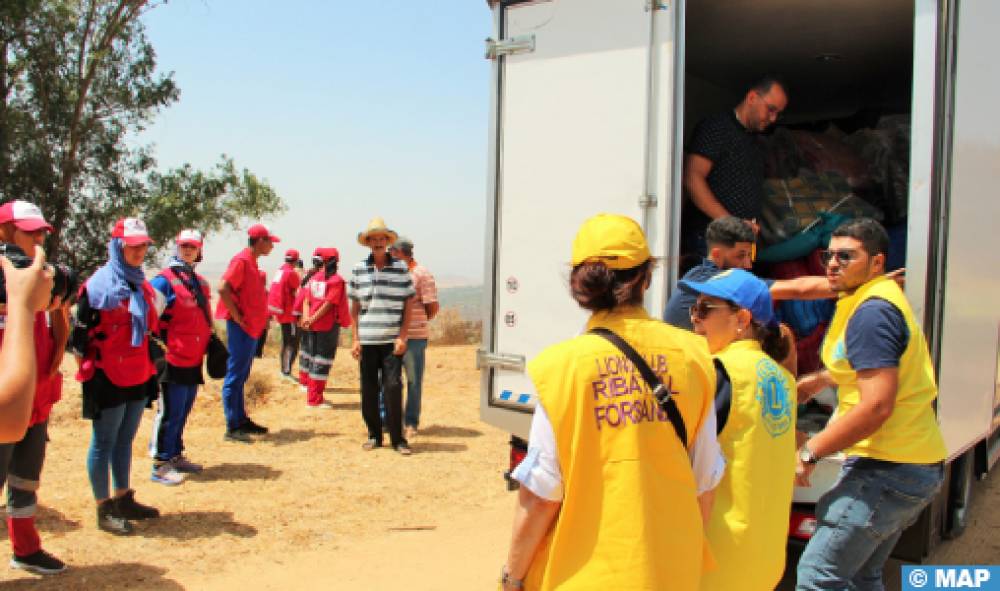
[[647, 201], [486, 359], [518, 44], [657, 5]]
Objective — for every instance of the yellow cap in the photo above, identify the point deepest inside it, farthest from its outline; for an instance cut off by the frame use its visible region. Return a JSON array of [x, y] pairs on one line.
[[615, 240]]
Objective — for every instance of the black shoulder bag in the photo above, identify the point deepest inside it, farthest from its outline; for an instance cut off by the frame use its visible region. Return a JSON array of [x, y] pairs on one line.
[[660, 392]]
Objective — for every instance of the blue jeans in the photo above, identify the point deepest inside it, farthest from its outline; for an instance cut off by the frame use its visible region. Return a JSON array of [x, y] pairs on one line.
[[111, 445], [860, 520], [242, 348], [413, 365], [175, 405]]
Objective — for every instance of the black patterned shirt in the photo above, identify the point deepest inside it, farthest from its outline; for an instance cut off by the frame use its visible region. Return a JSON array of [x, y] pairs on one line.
[[737, 175]]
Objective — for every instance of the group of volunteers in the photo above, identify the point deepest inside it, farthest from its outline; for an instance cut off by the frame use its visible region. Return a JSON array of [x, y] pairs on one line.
[[139, 341], [665, 457]]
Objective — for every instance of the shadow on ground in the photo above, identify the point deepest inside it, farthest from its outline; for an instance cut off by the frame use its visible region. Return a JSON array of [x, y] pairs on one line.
[[117, 575], [230, 471], [48, 520], [194, 525], [345, 405], [433, 447], [287, 436], [448, 431]]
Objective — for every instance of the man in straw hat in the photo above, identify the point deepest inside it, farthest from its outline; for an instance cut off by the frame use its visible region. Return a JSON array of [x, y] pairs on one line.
[[381, 293]]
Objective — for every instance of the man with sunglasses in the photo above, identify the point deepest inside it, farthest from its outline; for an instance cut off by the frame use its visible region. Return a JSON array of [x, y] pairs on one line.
[[724, 162], [876, 355]]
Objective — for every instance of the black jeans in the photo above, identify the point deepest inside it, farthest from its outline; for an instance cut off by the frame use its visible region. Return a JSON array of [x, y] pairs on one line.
[[290, 334], [381, 370]]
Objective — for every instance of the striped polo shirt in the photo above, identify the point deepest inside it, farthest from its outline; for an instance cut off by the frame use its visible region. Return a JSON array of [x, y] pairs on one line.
[[382, 295]]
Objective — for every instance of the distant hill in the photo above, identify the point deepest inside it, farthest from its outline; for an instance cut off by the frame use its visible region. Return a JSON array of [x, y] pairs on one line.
[[468, 300]]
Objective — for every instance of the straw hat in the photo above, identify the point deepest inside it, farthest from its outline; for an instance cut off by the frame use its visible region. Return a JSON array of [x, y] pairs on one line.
[[375, 227]]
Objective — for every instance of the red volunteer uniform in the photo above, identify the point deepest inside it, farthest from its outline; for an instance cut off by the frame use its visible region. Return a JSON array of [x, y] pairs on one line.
[[48, 389], [321, 289], [110, 345], [281, 295], [188, 331], [248, 293]]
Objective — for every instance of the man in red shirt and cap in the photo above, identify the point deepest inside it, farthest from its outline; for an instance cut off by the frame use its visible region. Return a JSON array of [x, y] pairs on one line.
[[280, 303], [22, 225], [243, 305]]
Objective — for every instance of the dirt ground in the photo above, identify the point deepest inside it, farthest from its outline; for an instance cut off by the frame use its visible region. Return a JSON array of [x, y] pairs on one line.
[[306, 508]]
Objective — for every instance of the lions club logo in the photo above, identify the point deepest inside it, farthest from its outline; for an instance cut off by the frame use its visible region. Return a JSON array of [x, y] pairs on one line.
[[773, 397]]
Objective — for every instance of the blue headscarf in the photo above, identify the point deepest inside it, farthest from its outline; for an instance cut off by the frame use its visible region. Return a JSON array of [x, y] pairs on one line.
[[110, 286]]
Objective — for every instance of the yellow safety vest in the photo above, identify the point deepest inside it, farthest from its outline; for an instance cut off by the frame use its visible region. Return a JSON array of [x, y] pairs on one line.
[[748, 531], [911, 434], [629, 518]]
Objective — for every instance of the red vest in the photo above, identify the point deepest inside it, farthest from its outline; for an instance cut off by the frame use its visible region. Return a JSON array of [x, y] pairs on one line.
[[124, 364], [48, 389], [321, 289], [187, 328], [281, 295]]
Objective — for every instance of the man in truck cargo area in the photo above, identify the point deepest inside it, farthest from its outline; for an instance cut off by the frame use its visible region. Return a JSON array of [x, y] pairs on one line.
[[876, 355], [724, 162]]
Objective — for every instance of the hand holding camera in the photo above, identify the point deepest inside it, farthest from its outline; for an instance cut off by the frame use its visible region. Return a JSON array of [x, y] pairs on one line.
[[28, 286]]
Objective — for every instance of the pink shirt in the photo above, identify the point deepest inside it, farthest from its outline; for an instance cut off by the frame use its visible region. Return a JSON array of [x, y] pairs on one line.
[[423, 283]]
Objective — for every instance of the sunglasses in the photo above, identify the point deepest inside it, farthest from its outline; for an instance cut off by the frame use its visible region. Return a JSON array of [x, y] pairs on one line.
[[701, 310], [844, 257]]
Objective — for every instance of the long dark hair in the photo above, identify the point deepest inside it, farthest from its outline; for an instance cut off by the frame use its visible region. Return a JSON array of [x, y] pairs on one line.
[[771, 340]]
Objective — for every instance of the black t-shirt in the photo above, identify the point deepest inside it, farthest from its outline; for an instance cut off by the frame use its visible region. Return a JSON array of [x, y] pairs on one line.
[[737, 175]]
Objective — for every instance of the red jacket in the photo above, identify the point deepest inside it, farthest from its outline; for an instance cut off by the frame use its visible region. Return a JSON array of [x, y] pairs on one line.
[[321, 289], [110, 345], [48, 389], [186, 323], [281, 295]]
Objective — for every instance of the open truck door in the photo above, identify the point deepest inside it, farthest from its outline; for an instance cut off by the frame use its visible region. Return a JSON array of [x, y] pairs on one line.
[[581, 123]]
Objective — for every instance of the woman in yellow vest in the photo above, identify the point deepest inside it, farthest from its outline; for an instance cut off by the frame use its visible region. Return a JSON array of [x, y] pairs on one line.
[[755, 411], [611, 484]]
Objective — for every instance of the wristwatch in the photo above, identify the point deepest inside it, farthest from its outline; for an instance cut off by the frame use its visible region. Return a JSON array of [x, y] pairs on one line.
[[508, 582], [806, 455]]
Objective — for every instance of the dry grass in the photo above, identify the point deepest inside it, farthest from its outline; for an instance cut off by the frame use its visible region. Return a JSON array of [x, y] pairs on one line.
[[306, 486]]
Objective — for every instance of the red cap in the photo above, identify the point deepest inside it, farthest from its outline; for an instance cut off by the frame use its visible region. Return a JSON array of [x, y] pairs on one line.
[[26, 216], [132, 231], [261, 231], [291, 253], [189, 237], [327, 253]]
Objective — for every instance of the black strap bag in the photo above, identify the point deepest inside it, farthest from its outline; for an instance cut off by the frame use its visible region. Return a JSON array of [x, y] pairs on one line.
[[216, 357], [660, 392]]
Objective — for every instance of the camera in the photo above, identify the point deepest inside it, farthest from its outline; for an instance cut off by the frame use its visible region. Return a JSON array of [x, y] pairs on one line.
[[65, 280]]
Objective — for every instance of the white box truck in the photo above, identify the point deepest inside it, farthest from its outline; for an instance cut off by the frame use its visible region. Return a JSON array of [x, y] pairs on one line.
[[592, 101]]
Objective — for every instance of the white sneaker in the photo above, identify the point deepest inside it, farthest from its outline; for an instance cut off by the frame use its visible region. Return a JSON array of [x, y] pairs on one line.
[[166, 474], [325, 405]]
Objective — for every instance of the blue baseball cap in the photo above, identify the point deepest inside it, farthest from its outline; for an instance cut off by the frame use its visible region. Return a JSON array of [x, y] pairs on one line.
[[741, 288]]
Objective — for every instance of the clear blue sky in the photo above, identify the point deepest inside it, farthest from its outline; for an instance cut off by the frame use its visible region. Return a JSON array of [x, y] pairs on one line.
[[349, 109]]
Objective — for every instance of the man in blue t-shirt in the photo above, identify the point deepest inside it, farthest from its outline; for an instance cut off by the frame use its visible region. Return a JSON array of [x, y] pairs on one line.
[[730, 246]]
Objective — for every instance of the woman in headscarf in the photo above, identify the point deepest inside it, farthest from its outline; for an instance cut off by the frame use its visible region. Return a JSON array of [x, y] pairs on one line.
[[622, 455], [115, 316], [182, 305], [755, 414]]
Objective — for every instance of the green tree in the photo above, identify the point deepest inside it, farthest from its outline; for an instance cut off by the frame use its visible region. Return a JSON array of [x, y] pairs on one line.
[[77, 79]]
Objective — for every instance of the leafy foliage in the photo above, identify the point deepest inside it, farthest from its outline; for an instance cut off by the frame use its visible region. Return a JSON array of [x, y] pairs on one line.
[[77, 79]]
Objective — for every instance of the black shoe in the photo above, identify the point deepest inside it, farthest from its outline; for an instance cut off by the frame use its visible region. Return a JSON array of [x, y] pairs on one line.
[[40, 563], [110, 520], [238, 435], [130, 509], [403, 449], [253, 428]]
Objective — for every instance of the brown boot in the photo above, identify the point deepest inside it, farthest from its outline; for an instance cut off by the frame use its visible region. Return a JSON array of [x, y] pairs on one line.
[[130, 509]]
